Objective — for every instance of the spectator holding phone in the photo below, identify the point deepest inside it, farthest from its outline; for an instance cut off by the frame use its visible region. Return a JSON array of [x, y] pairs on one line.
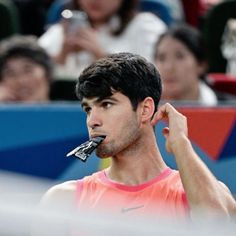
[[112, 26]]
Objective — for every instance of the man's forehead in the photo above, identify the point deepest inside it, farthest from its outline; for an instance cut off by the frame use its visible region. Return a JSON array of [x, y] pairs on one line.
[[92, 100], [89, 100]]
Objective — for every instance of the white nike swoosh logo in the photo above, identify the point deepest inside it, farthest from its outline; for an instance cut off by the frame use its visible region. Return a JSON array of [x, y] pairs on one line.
[[124, 210]]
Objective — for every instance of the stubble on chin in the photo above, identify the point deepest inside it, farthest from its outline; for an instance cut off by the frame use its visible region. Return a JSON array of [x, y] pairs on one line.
[[124, 140], [103, 152]]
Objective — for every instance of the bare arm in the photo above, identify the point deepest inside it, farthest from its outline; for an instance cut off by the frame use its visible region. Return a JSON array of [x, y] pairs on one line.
[[204, 192], [55, 210]]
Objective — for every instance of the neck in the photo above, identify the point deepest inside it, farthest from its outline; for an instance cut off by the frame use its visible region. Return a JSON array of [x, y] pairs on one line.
[[192, 94], [96, 24], [139, 164]]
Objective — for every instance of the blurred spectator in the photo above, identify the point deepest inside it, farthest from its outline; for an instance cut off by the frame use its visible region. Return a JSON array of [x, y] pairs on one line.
[[215, 33], [114, 26], [228, 46], [25, 70], [181, 60]]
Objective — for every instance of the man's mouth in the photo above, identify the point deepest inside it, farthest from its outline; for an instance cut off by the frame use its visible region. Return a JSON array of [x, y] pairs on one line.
[[95, 135], [84, 150]]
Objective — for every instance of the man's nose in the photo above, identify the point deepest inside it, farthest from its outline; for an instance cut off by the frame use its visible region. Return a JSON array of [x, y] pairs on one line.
[[94, 118]]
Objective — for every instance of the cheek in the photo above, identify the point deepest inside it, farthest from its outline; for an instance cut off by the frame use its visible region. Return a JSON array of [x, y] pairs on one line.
[[114, 7], [39, 76], [41, 80], [187, 70], [7, 81], [119, 123], [191, 72], [83, 4]]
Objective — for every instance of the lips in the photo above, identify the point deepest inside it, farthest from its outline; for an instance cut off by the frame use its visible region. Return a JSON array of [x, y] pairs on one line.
[[96, 135]]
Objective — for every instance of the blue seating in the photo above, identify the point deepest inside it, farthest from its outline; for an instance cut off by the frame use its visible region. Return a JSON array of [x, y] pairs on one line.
[[158, 9], [36, 138], [54, 12]]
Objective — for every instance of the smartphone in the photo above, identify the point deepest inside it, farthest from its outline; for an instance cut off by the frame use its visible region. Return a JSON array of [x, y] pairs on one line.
[[76, 19]]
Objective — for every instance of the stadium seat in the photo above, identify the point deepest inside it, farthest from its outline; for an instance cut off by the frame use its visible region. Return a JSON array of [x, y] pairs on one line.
[[222, 82], [158, 9]]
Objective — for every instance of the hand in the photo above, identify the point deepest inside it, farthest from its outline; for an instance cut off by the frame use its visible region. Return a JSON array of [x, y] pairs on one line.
[[177, 130], [87, 39], [69, 45]]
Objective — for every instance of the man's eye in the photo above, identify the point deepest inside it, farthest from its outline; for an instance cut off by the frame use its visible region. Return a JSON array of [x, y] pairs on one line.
[[87, 109], [106, 104]]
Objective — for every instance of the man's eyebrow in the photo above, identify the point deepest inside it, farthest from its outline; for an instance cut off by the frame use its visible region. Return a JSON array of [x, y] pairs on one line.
[[98, 100], [107, 98], [84, 104]]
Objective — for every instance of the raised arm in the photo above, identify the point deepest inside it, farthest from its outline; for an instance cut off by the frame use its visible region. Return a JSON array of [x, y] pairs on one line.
[[204, 192]]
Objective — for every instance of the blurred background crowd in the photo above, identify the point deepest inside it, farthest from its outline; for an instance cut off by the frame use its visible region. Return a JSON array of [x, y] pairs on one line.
[[45, 44]]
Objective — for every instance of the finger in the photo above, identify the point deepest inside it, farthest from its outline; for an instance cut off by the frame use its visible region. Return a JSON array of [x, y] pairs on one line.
[[159, 115], [155, 119]]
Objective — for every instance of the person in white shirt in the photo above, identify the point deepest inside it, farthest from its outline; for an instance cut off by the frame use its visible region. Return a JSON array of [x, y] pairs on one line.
[[114, 26]]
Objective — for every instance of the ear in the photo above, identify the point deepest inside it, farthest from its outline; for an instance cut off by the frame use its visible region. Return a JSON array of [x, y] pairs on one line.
[[147, 109]]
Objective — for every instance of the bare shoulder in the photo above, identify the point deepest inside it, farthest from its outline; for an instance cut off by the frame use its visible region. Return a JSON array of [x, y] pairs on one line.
[[64, 193], [68, 186]]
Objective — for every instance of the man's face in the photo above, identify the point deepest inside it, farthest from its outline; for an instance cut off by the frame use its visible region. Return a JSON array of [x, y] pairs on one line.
[[115, 118], [25, 79]]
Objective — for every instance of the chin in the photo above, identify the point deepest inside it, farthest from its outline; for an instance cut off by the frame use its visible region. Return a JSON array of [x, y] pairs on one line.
[[102, 152], [102, 155]]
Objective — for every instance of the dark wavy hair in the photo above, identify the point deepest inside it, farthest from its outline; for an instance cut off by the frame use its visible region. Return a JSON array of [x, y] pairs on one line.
[[128, 73], [126, 12]]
